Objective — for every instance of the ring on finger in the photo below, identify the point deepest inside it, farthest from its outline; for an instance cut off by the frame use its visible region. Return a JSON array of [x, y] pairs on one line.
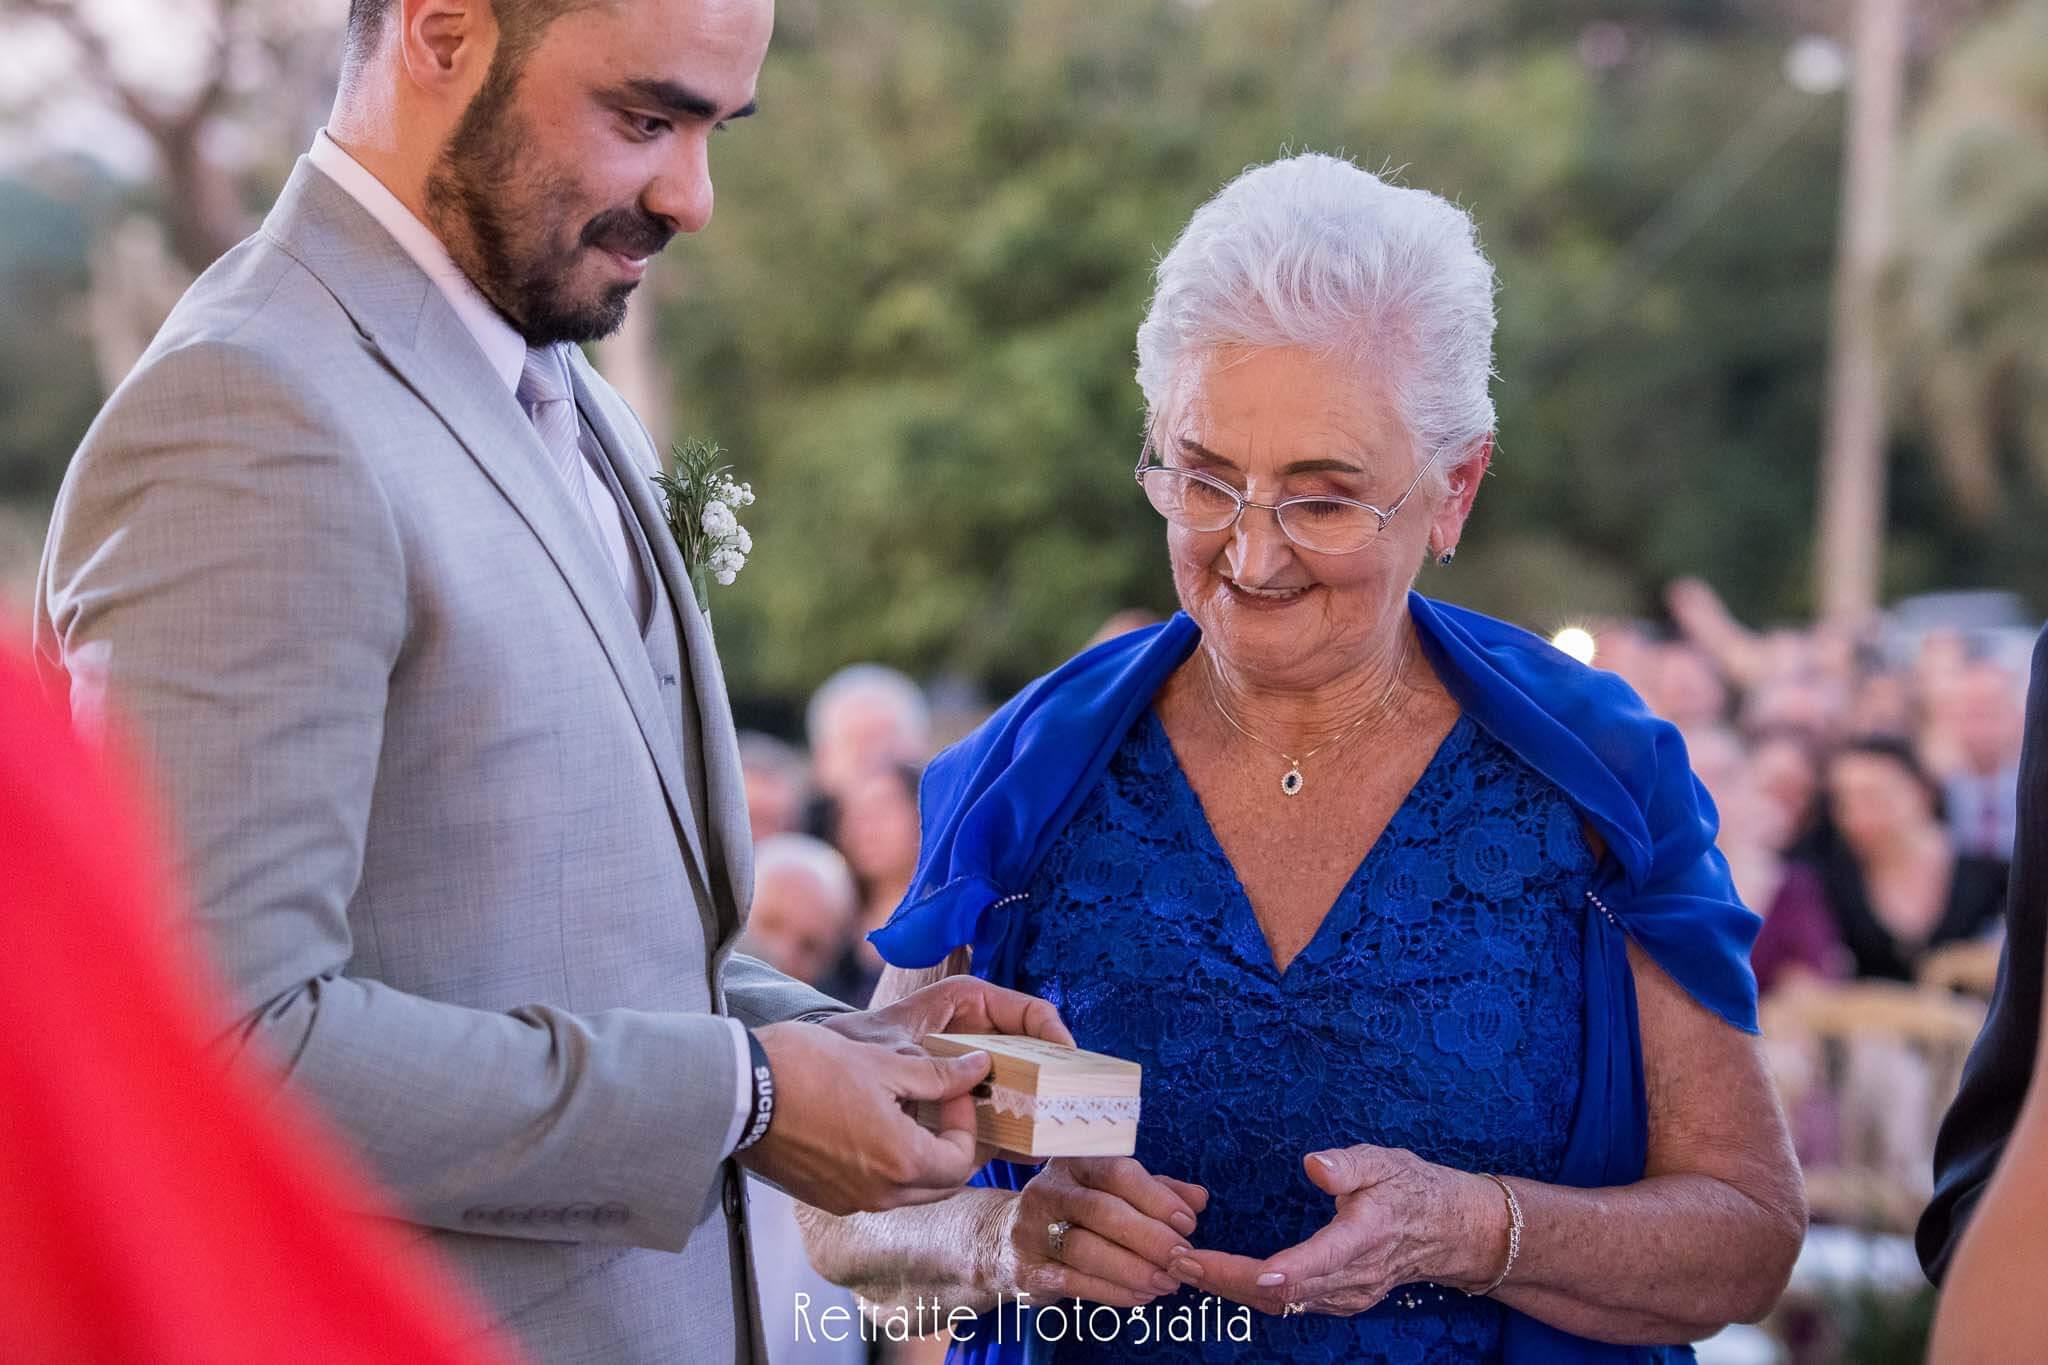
[[1056, 1238], [1293, 1310]]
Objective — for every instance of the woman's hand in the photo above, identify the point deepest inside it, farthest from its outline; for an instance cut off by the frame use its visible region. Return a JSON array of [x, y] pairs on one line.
[[957, 1004], [1126, 1231], [1399, 1219]]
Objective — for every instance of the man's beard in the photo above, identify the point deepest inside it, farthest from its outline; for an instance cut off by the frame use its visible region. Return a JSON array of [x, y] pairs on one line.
[[486, 203]]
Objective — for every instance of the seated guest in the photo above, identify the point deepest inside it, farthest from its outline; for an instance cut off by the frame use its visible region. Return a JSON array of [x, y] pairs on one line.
[[802, 918], [1798, 939], [1123, 623], [875, 827], [1415, 924], [778, 784], [1784, 767], [1894, 880], [864, 718], [1882, 704], [1690, 693], [1985, 724]]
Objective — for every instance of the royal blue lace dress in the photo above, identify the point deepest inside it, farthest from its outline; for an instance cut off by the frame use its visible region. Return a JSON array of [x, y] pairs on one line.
[[1443, 1005], [1439, 1008]]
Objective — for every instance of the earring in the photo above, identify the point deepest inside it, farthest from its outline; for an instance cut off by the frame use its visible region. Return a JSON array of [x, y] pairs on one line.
[[1446, 557]]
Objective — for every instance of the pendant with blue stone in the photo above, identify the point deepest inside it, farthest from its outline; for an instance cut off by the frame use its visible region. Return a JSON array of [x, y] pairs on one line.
[[1290, 784]]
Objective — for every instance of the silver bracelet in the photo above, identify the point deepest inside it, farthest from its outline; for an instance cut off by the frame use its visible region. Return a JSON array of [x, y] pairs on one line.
[[1514, 1235]]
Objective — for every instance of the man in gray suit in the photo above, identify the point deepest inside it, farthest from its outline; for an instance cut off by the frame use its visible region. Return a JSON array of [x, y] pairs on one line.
[[367, 554]]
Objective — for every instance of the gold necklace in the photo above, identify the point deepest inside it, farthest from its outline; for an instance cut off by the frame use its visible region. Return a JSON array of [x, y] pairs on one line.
[[1291, 782]]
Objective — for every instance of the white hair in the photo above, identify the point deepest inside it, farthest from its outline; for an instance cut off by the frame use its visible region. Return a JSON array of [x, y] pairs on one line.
[[1313, 252], [813, 858], [913, 712], [766, 753]]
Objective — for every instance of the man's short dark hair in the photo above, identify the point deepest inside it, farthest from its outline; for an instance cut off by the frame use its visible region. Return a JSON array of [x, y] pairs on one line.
[[365, 22], [520, 25]]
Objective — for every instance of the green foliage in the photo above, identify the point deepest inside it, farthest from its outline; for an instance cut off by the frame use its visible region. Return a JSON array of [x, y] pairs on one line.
[[1885, 1328], [1970, 301], [696, 483], [47, 397]]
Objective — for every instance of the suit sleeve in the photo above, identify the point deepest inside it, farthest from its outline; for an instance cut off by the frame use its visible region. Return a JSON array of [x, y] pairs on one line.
[[1995, 1079], [757, 994], [227, 575]]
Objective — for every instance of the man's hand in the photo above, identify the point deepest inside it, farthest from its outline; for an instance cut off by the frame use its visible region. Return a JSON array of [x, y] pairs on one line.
[[958, 1004], [842, 1139]]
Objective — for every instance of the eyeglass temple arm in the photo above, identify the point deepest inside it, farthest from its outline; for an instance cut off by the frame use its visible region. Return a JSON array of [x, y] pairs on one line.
[[1416, 483]]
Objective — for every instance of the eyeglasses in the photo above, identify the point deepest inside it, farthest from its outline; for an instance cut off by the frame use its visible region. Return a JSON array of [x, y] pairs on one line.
[[1320, 523]]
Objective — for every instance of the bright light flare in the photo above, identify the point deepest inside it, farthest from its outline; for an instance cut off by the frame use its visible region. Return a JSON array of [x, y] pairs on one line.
[[1578, 642]]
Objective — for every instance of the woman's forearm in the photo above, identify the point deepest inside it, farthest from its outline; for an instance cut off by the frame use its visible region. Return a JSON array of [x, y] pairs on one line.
[[954, 1251], [951, 1252], [1671, 1258]]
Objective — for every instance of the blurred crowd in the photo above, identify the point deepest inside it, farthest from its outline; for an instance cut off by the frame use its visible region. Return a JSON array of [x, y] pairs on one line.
[[1865, 784]]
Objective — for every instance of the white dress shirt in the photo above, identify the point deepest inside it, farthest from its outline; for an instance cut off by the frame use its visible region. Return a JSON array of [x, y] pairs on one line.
[[505, 351]]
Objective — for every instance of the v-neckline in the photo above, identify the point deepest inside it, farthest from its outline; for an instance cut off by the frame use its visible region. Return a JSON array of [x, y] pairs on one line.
[[1241, 929]]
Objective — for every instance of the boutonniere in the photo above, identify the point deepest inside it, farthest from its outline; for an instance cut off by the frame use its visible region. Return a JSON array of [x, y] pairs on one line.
[[700, 501]]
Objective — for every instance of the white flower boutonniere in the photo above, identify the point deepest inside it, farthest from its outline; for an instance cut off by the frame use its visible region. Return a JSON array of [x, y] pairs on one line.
[[701, 501]]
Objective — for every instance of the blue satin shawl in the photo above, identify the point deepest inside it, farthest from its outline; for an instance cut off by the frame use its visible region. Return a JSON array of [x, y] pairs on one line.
[[992, 805]]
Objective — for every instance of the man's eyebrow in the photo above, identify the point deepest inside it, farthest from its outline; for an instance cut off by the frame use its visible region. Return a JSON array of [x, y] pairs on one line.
[[678, 100], [1325, 466]]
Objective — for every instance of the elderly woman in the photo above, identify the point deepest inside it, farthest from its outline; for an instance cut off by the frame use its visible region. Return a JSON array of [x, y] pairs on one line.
[[1415, 925]]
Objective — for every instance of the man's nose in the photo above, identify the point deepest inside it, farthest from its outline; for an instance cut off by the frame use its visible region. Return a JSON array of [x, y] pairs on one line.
[[682, 193]]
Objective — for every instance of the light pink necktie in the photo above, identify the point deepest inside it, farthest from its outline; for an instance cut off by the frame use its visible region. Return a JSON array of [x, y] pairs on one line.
[[551, 406]]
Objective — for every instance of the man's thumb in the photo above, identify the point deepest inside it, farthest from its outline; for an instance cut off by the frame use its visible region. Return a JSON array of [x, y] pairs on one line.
[[944, 1078]]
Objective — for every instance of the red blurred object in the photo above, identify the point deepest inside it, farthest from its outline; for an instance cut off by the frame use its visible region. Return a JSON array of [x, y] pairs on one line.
[[161, 1208]]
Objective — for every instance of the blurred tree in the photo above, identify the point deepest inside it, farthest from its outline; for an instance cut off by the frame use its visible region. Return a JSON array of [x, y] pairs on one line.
[[204, 83], [216, 96], [47, 397], [1970, 298], [219, 92]]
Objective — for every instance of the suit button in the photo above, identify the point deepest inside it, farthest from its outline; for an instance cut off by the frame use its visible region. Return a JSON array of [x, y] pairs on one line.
[[551, 1215], [732, 1196], [579, 1214], [612, 1215]]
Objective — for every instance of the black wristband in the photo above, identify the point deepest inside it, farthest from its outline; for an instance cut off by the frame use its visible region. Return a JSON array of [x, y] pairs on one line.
[[763, 1111]]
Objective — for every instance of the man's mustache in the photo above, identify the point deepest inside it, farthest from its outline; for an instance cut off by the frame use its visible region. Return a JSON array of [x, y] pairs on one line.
[[632, 233]]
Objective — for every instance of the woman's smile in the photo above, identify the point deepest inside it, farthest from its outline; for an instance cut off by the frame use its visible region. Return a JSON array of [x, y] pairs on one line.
[[1265, 599]]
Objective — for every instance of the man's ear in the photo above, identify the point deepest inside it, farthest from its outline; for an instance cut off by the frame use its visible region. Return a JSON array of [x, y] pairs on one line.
[[445, 46]]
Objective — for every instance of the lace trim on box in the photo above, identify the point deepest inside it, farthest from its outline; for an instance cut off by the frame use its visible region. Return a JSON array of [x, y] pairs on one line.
[[1063, 1108]]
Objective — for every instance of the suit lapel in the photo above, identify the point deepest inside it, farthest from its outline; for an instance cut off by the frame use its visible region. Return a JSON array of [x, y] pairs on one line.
[[725, 793], [405, 315]]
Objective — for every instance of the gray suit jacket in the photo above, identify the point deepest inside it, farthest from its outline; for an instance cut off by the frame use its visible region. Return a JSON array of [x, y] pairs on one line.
[[432, 786]]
